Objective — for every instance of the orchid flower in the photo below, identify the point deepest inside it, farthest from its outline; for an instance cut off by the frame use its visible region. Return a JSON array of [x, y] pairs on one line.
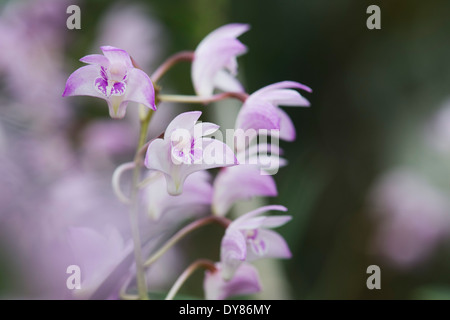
[[184, 150], [112, 77], [238, 183], [247, 239], [248, 179], [245, 281], [214, 64], [260, 110]]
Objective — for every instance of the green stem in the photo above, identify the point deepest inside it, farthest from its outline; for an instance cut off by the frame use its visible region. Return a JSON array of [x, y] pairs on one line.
[[140, 272], [170, 62], [205, 100], [201, 263], [182, 233]]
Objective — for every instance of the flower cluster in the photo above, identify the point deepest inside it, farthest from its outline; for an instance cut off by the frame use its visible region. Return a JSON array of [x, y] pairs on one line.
[[177, 185]]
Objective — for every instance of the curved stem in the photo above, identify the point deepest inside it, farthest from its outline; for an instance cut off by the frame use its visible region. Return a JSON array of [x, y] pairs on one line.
[[116, 181], [201, 263], [170, 62], [205, 100], [140, 275], [123, 290], [183, 232], [149, 179]]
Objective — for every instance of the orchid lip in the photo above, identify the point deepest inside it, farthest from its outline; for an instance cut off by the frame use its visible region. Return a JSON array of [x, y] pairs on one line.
[[109, 87]]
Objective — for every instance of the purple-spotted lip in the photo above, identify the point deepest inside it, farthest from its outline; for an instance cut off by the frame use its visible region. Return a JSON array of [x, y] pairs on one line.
[[186, 154], [109, 87], [258, 245]]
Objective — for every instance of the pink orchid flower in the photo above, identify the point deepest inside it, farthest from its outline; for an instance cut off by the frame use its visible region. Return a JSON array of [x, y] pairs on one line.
[[247, 239], [214, 64], [112, 77], [184, 150], [245, 281], [248, 179], [260, 110], [241, 182]]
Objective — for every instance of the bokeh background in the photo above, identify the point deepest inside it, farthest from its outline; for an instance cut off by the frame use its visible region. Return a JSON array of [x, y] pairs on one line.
[[368, 179]]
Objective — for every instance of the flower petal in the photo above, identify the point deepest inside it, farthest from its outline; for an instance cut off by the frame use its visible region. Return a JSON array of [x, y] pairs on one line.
[[233, 251], [96, 59], [274, 246], [210, 60], [81, 82], [194, 201], [158, 157], [284, 97], [205, 128], [232, 30], [239, 183], [245, 281], [117, 56], [283, 85], [184, 120], [287, 128], [258, 115], [214, 153], [140, 88], [255, 213], [227, 82], [263, 222]]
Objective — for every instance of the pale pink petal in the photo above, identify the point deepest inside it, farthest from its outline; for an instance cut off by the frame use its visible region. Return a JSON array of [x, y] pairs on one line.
[[233, 250], [264, 148], [207, 63], [227, 82], [240, 182], [262, 222], [117, 56], [283, 97], [184, 120], [232, 30], [96, 59], [81, 82], [245, 281], [258, 115], [287, 128], [117, 107], [194, 201], [257, 212], [158, 157], [274, 246], [215, 154], [283, 85], [205, 128], [140, 88]]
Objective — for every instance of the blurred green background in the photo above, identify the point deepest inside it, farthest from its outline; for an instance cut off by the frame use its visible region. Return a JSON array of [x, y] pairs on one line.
[[372, 91]]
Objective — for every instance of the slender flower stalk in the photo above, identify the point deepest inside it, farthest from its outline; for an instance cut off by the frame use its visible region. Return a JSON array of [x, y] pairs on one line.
[[170, 62], [140, 275], [123, 290], [116, 181], [201, 263], [205, 100], [185, 231]]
